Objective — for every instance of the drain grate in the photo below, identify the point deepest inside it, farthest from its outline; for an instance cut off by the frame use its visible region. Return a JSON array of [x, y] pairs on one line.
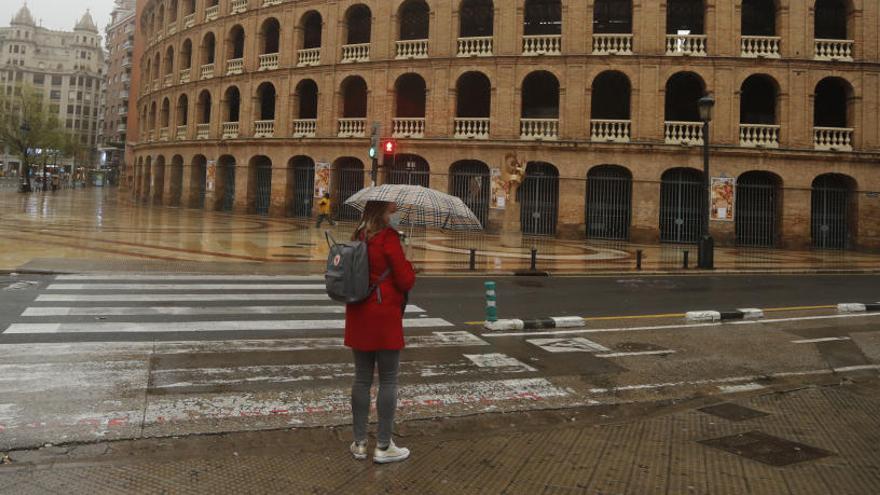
[[768, 449], [732, 412]]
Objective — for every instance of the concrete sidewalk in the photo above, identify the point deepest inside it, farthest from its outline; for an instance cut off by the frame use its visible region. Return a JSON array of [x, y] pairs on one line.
[[96, 229], [643, 449]]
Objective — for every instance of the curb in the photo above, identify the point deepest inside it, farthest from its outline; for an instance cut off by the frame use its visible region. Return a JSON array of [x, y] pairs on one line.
[[736, 314], [537, 323], [857, 307]]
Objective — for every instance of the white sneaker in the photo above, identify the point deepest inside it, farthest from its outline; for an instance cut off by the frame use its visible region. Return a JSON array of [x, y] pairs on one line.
[[392, 454], [358, 450]]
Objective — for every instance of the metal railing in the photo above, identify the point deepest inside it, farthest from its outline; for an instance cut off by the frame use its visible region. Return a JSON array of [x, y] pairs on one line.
[[408, 127], [234, 66], [760, 46], [304, 127], [356, 53], [612, 44], [609, 130], [539, 129], [308, 57], [264, 128], [833, 138], [229, 130], [834, 50], [543, 44], [183, 75], [352, 127], [203, 131], [476, 46], [758, 136], [412, 49], [268, 61], [690, 133], [686, 44], [471, 128], [207, 71]]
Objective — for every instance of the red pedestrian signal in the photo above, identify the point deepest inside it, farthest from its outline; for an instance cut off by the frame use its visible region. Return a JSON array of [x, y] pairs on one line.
[[389, 147]]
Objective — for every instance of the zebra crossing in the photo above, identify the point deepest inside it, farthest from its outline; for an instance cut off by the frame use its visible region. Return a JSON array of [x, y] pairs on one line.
[[125, 356]]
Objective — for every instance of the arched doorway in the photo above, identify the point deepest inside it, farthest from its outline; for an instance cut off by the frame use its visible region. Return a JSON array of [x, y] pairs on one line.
[[159, 179], [539, 199], [226, 182], [609, 202], [176, 180], [757, 209], [469, 180], [409, 169], [198, 181], [303, 186], [348, 178], [832, 200], [681, 205], [261, 173]]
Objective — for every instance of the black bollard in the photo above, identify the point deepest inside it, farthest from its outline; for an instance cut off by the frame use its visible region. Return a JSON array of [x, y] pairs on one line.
[[638, 259], [534, 260], [685, 262], [473, 260]]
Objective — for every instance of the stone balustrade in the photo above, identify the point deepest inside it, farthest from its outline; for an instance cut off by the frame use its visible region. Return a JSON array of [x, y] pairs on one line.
[[544, 44], [689, 133], [238, 6], [612, 44], [305, 127], [686, 44], [412, 49], [183, 75], [171, 28], [181, 133], [189, 20], [477, 46], [152, 135], [539, 129], [212, 12], [229, 130], [759, 136], [156, 84], [834, 50], [268, 61], [264, 128], [355, 53], [164, 134], [203, 131], [352, 127], [408, 127], [234, 66], [471, 128], [833, 138], [308, 57], [207, 71], [760, 46], [168, 80], [269, 3], [610, 130]]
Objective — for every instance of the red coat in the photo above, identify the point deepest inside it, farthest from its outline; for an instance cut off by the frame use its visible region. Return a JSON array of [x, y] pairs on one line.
[[369, 324]]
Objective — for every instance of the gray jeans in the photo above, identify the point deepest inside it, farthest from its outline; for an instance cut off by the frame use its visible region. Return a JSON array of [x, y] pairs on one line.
[[386, 402]]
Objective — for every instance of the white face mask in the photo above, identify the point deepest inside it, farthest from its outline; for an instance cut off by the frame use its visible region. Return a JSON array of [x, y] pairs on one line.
[[394, 221]]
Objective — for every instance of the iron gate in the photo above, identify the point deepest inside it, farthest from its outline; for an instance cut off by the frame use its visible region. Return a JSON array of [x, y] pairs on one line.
[[303, 188], [176, 184], [264, 189], [830, 202], [201, 183], [539, 199], [409, 169], [470, 182], [349, 180], [756, 198], [609, 203], [681, 205], [228, 174]]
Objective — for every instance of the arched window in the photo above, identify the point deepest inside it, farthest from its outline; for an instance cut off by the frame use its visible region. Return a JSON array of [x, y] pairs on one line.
[[414, 20], [683, 90], [311, 27], [169, 61], [307, 99], [204, 107], [354, 97], [758, 100], [610, 97], [231, 104], [758, 18], [832, 19], [410, 96], [540, 96], [684, 17], [208, 50], [270, 34], [182, 110], [358, 23], [266, 98], [612, 17], [186, 54], [542, 17], [165, 113], [476, 18], [831, 104], [235, 43]]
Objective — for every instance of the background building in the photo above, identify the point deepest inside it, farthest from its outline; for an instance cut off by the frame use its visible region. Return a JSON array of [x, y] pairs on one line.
[[119, 42], [244, 103], [66, 66]]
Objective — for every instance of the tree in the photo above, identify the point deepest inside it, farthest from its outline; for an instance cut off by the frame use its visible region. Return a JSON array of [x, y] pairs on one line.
[[26, 127]]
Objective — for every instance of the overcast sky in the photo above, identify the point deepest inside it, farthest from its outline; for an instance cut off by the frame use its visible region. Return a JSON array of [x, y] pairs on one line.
[[59, 14]]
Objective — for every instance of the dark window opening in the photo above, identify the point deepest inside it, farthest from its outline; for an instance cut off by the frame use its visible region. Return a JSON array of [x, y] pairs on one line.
[[542, 17], [414, 20], [758, 101], [540, 96], [359, 22], [312, 30], [612, 17], [610, 97], [307, 96], [410, 89], [682, 93], [831, 101], [473, 96], [684, 15], [476, 18], [354, 94], [831, 19], [758, 18]]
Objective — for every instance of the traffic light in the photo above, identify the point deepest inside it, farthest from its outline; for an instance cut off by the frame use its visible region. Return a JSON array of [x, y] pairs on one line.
[[389, 147], [374, 143]]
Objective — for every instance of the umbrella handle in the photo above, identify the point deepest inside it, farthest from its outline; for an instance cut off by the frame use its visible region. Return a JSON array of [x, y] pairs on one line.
[[330, 240]]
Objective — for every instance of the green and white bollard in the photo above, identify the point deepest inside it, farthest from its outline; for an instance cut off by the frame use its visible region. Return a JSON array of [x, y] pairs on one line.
[[491, 308]]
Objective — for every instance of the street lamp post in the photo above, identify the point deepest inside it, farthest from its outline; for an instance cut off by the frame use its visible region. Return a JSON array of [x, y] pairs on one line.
[[706, 251], [25, 173]]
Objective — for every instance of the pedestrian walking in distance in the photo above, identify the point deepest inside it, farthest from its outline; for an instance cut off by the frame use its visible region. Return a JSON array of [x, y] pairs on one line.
[[374, 330], [324, 211]]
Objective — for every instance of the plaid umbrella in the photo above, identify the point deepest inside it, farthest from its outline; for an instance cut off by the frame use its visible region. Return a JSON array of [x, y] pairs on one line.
[[420, 206]]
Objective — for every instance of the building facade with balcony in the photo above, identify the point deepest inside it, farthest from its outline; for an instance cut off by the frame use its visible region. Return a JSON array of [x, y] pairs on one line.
[[119, 42], [241, 101]]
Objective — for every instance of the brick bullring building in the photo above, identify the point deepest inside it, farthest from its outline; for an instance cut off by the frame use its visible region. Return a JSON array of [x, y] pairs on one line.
[[244, 102]]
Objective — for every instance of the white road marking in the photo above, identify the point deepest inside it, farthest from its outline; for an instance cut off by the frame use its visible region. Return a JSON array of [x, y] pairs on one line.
[[179, 297], [498, 360], [823, 339], [202, 326], [578, 344], [639, 353], [30, 378], [97, 287], [674, 327], [735, 389], [108, 350], [188, 310], [161, 277]]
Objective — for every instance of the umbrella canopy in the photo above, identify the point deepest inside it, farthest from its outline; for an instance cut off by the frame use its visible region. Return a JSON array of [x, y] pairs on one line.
[[420, 206]]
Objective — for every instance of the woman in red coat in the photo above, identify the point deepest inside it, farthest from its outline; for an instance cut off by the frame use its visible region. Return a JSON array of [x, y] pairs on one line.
[[374, 330]]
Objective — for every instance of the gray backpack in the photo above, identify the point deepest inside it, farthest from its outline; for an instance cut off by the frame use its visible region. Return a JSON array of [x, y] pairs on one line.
[[348, 272]]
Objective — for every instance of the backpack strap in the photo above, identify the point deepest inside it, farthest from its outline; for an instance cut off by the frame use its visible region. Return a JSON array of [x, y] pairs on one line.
[[376, 287]]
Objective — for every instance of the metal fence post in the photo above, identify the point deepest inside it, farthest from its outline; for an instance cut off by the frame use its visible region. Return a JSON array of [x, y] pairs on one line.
[[491, 308]]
